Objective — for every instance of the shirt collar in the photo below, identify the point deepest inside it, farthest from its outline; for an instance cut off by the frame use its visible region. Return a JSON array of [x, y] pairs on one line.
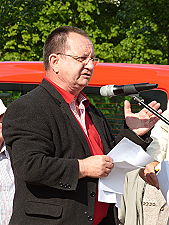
[[3, 150], [67, 96]]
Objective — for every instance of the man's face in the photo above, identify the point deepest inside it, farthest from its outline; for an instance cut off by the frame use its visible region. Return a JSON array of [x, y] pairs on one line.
[[74, 74], [1, 137]]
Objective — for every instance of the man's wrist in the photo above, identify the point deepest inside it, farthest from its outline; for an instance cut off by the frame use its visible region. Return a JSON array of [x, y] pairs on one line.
[[81, 168]]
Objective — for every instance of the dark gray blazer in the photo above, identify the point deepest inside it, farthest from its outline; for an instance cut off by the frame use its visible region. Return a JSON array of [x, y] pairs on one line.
[[44, 141]]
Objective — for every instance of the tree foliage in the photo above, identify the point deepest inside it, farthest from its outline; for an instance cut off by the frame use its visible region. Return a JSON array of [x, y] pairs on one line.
[[122, 30]]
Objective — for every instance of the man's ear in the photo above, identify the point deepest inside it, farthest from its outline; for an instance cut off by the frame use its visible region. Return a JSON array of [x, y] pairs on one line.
[[53, 61]]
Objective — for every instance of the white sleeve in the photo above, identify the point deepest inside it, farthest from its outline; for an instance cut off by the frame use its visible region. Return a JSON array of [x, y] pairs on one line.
[[158, 147]]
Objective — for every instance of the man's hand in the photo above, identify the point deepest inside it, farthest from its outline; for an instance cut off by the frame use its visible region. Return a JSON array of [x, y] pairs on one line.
[[148, 174], [95, 166], [142, 121]]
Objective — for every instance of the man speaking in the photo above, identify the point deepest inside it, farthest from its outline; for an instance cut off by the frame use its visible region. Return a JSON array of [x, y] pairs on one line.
[[58, 140]]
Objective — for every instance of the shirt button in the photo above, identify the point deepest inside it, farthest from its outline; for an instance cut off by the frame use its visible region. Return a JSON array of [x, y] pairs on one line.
[[90, 218], [92, 194]]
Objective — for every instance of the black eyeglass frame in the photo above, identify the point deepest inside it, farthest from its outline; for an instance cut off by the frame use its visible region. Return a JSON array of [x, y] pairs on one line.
[[83, 59]]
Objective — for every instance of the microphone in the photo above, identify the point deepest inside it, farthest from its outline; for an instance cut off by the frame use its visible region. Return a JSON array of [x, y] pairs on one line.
[[115, 90]]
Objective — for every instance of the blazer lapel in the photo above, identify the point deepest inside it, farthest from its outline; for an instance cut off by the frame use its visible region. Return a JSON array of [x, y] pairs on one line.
[[66, 110]]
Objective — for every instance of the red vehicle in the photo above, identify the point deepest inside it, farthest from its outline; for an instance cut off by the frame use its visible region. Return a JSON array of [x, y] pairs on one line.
[[21, 77], [105, 73]]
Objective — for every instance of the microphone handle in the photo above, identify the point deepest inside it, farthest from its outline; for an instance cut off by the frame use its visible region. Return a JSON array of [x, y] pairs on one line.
[[141, 101]]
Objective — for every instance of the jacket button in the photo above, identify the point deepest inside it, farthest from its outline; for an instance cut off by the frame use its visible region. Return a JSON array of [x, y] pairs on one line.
[[68, 186], [90, 218], [61, 184], [162, 208], [92, 194]]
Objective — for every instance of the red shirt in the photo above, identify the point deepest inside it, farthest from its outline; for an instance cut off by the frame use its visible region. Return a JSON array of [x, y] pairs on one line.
[[95, 145]]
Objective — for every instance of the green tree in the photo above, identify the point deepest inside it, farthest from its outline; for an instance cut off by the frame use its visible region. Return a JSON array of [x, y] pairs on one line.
[[122, 30], [147, 30], [25, 24], [157, 12]]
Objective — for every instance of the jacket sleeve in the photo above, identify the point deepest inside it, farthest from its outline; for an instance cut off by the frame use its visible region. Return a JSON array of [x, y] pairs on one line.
[[28, 138]]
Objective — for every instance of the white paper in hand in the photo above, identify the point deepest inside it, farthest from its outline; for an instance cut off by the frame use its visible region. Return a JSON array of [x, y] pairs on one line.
[[126, 156]]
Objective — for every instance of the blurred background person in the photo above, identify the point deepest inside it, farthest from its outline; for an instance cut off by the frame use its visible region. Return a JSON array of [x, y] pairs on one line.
[[7, 187], [143, 202], [159, 150]]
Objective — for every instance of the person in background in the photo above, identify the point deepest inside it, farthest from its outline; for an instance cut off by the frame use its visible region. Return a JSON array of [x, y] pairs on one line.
[[59, 142], [7, 187], [159, 150], [143, 202]]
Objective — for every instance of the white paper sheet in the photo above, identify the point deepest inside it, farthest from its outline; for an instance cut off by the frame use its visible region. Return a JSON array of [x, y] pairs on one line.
[[163, 179], [126, 156]]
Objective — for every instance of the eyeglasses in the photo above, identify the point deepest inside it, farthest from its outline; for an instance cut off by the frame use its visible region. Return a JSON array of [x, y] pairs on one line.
[[83, 59]]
